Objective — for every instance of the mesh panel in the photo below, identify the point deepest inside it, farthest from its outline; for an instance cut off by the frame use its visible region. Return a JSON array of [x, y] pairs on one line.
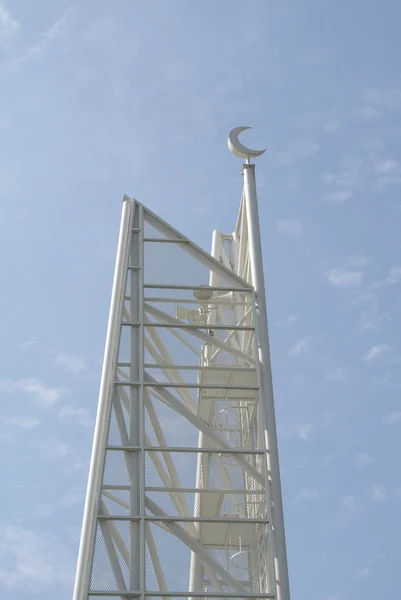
[[110, 570], [125, 402], [236, 549], [120, 467]]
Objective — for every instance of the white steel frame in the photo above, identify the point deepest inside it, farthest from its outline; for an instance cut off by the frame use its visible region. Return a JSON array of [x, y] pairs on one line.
[[145, 508]]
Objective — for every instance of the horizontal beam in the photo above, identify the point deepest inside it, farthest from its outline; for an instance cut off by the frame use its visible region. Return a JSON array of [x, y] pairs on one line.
[[191, 326], [203, 386], [165, 241], [233, 367], [222, 491], [179, 519], [186, 449], [166, 286], [210, 303], [156, 594]]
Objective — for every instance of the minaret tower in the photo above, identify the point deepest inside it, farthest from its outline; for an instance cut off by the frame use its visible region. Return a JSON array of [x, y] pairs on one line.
[[184, 494]]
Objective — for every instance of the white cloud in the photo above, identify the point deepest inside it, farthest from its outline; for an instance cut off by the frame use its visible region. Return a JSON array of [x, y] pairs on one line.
[[343, 179], [307, 494], [366, 571], [367, 113], [302, 347], [72, 363], [394, 276], [41, 394], [81, 415], [377, 492], [337, 374], [342, 277], [27, 344], [363, 573], [54, 448], [20, 422], [387, 165], [304, 149], [349, 503], [328, 417], [331, 126], [357, 261], [291, 228], [386, 99], [282, 159], [363, 459], [340, 196], [393, 417], [375, 352], [304, 431], [46, 39], [9, 27], [288, 322], [33, 559], [73, 497]]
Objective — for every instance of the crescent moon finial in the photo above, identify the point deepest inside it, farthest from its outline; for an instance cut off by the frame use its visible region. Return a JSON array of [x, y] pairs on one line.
[[239, 149]]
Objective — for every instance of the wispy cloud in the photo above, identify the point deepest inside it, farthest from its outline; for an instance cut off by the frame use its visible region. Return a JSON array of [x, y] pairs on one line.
[[366, 571], [288, 322], [339, 197], [304, 149], [33, 559], [368, 113], [72, 363], [375, 352], [20, 422], [302, 347], [80, 415], [331, 126], [304, 431], [40, 394], [27, 344], [370, 316], [393, 417], [386, 99], [349, 503], [307, 493], [75, 496], [9, 27], [337, 375], [363, 459], [343, 277], [290, 228], [377, 492], [47, 38], [54, 448], [387, 165]]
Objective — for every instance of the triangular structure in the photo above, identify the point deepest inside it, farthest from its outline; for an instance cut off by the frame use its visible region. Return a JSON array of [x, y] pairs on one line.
[[179, 500]]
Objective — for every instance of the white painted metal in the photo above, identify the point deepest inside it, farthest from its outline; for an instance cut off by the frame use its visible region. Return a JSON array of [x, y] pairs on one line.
[[184, 492], [256, 262]]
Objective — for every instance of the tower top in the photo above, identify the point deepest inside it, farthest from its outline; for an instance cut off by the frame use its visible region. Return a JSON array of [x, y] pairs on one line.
[[235, 146]]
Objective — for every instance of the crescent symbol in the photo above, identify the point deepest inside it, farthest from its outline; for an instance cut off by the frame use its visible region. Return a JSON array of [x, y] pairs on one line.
[[239, 149]]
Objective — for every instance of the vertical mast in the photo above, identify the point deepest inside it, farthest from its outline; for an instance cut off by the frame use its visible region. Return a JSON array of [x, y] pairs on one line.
[[267, 399]]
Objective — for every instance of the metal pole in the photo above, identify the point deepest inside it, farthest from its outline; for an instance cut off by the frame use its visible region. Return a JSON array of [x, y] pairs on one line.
[[102, 420], [267, 400]]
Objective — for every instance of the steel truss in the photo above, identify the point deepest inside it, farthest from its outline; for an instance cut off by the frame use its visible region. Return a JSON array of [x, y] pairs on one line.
[[184, 493]]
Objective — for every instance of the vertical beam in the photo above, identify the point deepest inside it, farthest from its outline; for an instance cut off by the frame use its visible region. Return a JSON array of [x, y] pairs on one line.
[[105, 395], [134, 458], [266, 399]]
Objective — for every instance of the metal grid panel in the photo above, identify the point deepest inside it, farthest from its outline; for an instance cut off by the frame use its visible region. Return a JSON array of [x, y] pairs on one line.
[[110, 570], [232, 550]]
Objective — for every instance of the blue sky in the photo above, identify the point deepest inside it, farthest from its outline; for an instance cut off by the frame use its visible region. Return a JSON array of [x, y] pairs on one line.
[[101, 98]]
